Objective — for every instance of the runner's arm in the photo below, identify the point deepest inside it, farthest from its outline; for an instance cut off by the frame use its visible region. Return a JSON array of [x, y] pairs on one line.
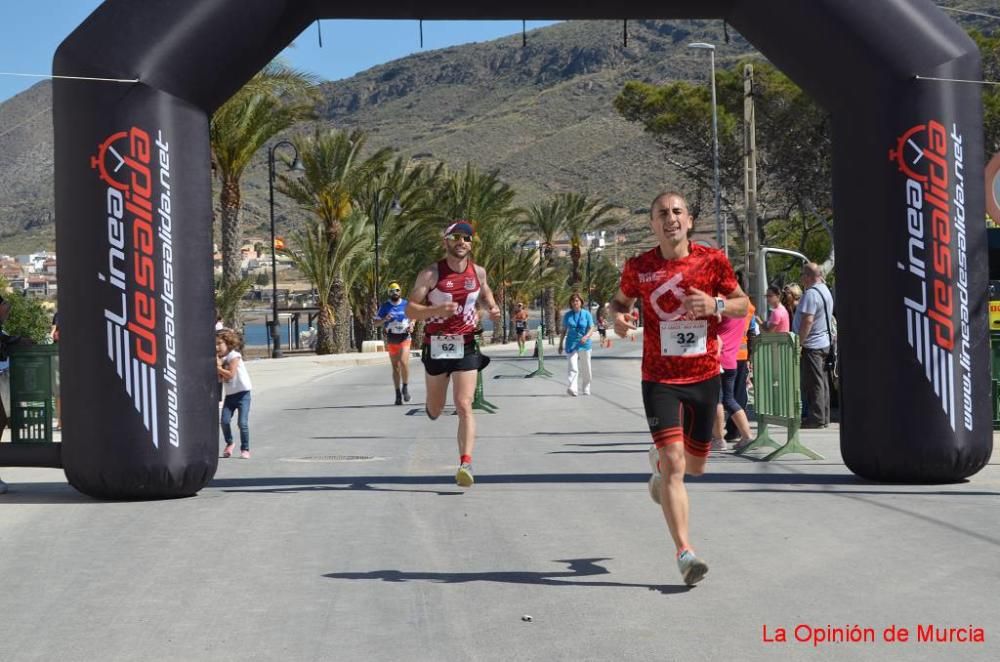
[[621, 306], [487, 295], [426, 280]]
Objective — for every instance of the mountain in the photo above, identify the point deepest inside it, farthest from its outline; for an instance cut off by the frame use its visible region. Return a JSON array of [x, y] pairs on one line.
[[540, 114]]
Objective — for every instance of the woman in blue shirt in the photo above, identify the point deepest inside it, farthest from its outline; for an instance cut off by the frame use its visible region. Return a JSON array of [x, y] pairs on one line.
[[577, 327]]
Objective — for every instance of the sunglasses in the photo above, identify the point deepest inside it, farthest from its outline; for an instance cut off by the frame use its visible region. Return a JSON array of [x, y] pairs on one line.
[[460, 237], [395, 290]]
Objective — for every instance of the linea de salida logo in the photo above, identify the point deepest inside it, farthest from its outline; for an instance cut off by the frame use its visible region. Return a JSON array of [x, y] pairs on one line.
[[141, 322], [936, 260]]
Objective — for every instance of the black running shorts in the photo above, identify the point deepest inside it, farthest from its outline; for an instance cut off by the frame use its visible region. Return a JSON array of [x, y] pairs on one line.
[[473, 360], [682, 413]]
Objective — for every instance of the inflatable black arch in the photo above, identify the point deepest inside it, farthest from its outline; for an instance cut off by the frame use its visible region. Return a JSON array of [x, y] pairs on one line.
[[133, 213]]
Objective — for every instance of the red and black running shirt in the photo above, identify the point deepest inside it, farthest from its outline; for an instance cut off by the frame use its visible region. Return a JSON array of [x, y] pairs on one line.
[[661, 285], [462, 288]]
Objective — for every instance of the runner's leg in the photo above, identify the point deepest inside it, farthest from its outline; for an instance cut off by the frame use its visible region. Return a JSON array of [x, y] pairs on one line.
[[404, 363], [394, 360], [463, 391], [404, 368], [673, 496], [437, 392]]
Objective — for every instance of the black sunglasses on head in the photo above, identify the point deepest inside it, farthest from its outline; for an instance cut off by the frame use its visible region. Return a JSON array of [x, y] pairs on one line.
[[460, 237]]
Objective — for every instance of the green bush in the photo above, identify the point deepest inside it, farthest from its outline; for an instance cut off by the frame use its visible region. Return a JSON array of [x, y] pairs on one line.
[[27, 318]]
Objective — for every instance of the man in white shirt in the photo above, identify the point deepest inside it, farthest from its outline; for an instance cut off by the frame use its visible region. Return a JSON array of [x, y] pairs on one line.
[[813, 317]]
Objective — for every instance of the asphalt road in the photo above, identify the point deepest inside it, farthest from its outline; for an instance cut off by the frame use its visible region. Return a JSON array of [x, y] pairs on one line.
[[345, 538]]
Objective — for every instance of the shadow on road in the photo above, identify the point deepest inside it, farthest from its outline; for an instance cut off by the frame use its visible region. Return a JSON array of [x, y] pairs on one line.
[[578, 568], [720, 478]]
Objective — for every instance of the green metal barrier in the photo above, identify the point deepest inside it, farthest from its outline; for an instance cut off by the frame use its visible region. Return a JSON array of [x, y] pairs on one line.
[[540, 353], [32, 392], [479, 401], [777, 399], [995, 373]]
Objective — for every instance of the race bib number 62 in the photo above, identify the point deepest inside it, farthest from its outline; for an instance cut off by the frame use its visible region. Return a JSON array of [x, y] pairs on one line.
[[683, 337], [447, 347]]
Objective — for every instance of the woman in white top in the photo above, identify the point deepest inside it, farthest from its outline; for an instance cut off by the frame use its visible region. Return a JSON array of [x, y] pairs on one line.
[[235, 379]]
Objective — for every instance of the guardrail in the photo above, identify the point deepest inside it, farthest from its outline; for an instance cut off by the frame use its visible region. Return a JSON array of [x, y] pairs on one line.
[[777, 398]]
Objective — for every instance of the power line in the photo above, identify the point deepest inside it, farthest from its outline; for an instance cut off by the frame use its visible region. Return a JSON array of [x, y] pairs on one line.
[[971, 13], [91, 78], [957, 80]]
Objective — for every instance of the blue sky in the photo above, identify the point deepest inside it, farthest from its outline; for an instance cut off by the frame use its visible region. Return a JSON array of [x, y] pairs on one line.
[[31, 31]]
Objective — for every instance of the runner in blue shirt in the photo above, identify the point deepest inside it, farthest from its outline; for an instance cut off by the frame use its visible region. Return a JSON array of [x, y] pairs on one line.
[[398, 327]]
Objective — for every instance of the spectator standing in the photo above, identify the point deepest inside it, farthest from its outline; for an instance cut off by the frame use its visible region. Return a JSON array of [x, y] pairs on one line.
[[235, 378], [4, 376], [732, 332], [811, 323], [577, 328], [777, 314], [57, 424], [791, 296]]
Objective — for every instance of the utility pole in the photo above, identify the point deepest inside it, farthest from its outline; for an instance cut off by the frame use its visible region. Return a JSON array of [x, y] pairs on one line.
[[750, 188]]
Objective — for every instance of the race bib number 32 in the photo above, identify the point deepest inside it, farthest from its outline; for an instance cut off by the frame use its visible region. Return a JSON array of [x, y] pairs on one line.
[[683, 337], [447, 347]]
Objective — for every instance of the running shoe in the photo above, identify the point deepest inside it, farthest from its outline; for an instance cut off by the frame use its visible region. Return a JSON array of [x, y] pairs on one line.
[[570, 391], [228, 450], [655, 480], [464, 476], [406, 393], [719, 445], [742, 444], [693, 569], [245, 455]]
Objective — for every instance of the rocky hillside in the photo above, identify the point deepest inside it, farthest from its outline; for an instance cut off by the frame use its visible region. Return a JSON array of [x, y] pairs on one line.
[[539, 114]]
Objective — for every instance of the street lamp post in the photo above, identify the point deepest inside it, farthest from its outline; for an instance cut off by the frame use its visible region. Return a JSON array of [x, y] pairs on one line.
[[395, 209], [721, 231], [275, 329], [594, 242]]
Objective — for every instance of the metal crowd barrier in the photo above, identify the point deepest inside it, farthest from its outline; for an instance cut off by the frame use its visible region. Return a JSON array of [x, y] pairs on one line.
[[777, 398]]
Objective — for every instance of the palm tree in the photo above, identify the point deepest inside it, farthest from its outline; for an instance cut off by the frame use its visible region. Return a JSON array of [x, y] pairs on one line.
[[545, 221], [334, 171], [486, 201], [311, 253], [581, 216], [405, 239], [271, 102]]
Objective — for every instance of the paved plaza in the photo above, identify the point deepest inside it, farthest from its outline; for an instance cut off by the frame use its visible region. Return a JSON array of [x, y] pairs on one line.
[[345, 538]]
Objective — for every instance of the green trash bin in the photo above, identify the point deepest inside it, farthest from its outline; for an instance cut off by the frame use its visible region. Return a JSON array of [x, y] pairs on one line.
[[33, 372]]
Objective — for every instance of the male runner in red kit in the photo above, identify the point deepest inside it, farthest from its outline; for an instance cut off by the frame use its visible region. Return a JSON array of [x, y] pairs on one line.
[[446, 294], [684, 289]]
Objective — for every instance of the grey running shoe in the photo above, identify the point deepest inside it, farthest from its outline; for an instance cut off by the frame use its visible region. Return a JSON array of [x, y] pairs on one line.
[[464, 476], [693, 569], [654, 480]]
